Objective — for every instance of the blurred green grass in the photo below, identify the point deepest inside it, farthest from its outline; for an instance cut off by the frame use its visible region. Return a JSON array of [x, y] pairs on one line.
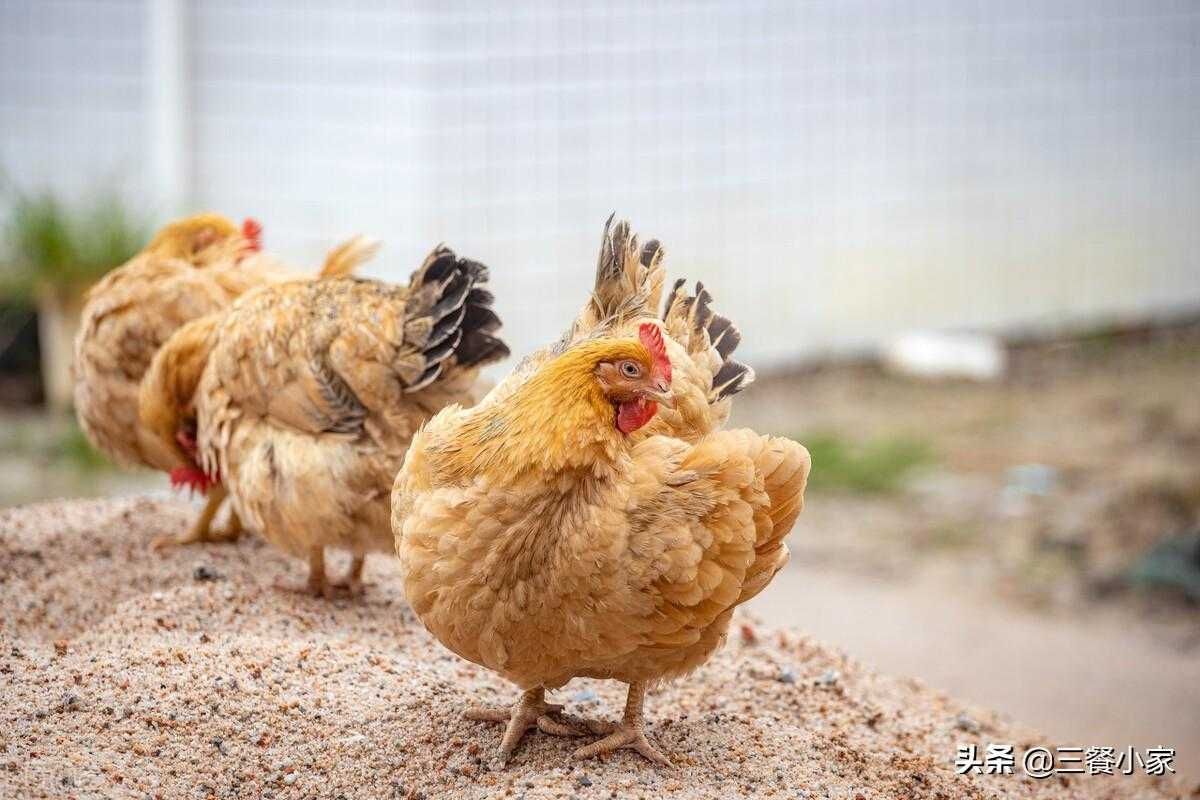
[[877, 466], [73, 448], [52, 441], [46, 242]]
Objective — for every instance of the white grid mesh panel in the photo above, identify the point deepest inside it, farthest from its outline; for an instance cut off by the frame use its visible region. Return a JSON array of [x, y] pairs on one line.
[[835, 171], [72, 94]]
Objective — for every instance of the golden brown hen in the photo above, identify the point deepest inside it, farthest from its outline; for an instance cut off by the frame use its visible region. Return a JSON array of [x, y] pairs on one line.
[[308, 393], [567, 526], [191, 268]]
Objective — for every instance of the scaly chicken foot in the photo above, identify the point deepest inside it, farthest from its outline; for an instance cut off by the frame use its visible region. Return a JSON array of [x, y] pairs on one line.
[[530, 711], [201, 530], [630, 733]]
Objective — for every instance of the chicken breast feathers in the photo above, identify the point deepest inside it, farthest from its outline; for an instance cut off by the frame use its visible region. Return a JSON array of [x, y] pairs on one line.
[[631, 575]]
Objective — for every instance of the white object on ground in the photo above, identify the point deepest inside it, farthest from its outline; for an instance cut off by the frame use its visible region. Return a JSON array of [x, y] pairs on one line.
[[929, 354]]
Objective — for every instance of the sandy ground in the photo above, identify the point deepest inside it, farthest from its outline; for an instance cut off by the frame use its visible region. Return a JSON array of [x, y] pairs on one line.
[[1008, 595], [1094, 680], [128, 674]]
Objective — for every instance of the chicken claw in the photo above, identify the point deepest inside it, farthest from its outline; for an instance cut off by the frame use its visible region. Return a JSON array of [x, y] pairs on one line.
[[624, 736], [202, 530], [629, 733], [531, 711]]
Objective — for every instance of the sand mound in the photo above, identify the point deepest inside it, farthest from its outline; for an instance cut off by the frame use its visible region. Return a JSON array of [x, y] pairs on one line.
[[131, 674]]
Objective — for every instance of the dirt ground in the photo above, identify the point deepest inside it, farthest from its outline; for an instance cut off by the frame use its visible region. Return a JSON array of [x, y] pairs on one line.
[[1045, 487], [994, 540], [1000, 566], [133, 674]]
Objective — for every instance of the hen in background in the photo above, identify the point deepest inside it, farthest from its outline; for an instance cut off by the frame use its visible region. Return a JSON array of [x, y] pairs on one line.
[[588, 518], [192, 267], [306, 396]]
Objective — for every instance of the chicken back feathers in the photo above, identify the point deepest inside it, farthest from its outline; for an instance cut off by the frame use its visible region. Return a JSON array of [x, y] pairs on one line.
[[540, 541], [312, 391], [191, 268]]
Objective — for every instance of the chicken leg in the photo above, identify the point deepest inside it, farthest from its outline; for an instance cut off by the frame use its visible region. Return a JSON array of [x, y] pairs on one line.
[[352, 582], [530, 711], [630, 732], [201, 530], [316, 584]]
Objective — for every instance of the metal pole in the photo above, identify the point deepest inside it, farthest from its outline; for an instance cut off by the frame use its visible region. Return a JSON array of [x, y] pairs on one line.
[[167, 74]]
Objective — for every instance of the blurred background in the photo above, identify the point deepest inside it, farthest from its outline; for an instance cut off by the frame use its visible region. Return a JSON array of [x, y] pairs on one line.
[[960, 238]]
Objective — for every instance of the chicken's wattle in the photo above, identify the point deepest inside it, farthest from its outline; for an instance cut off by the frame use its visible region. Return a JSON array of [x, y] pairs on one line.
[[634, 414]]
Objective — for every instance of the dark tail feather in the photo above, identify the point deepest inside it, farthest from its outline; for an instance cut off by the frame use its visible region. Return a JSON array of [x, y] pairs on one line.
[[450, 314], [478, 345], [629, 278], [701, 327], [731, 378]]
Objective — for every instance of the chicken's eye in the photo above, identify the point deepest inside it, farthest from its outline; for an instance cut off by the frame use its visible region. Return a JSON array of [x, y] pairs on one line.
[[630, 369]]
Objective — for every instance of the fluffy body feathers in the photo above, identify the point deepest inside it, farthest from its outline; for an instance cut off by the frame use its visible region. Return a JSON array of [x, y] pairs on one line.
[[192, 268], [311, 391]]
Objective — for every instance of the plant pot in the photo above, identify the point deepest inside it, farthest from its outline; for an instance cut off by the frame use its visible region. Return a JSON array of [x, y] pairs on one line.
[[58, 309]]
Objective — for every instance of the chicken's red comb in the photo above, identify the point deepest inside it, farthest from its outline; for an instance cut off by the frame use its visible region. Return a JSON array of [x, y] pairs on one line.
[[252, 231], [652, 338]]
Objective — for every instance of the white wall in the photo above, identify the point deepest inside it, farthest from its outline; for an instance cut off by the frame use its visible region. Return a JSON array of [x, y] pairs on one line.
[[835, 171]]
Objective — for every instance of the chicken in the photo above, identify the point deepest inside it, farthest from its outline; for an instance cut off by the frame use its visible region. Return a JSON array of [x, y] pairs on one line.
[[306, 395], [589, 517], [191, 268]]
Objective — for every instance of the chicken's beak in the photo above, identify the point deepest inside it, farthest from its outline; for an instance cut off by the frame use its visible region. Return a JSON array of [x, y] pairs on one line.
[[661, 394]]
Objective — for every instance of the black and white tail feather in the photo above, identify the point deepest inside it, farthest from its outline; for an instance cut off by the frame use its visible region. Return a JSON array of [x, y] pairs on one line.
[[449, 319], [629, 280], [706, 328], [629, 286]]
